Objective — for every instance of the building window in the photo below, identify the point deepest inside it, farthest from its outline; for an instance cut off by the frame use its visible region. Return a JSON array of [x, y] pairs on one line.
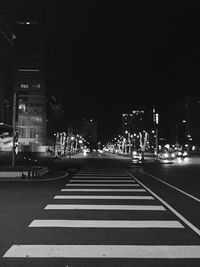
[[24, 86], [23, 22], [36, 86]]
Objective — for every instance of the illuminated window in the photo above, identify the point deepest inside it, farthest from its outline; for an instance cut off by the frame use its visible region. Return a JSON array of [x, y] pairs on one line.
[[23, 22], [24, 85], [36, 85]]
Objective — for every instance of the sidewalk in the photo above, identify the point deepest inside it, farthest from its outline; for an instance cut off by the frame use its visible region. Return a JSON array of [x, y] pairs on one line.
[[22, 175]]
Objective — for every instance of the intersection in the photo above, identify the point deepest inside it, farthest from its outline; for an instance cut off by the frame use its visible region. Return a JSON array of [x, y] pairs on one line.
[[105, 215]]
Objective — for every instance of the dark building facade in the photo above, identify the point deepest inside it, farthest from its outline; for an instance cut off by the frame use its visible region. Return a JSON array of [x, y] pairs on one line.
[[137, 121], [185, 126], [6, 62], [6, 72], [30, 78]]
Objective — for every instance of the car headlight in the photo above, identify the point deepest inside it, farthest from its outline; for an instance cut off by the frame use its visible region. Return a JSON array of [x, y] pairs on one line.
[[185, 153], [134, 153], [179, 153], [166, 155]]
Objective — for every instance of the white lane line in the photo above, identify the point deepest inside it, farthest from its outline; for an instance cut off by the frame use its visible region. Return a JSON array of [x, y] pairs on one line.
[[98, 190], [102, 197], [174, 187], [105, 224], [103, 185], [183, 219], [103, 207], [102, 181], [103, 251]]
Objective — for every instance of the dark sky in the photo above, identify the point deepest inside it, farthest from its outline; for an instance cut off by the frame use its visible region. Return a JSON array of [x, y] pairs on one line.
[[107, 58]]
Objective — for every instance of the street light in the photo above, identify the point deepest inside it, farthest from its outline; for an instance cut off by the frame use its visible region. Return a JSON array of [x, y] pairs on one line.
[[156, 130]]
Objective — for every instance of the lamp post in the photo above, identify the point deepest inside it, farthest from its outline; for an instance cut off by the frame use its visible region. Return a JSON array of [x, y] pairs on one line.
[[156, 121]]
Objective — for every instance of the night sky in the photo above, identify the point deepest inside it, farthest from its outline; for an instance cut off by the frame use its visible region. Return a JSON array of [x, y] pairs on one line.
[[105, 59]]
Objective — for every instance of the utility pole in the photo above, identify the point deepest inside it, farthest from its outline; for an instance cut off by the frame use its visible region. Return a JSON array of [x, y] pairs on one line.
[[14, 128]]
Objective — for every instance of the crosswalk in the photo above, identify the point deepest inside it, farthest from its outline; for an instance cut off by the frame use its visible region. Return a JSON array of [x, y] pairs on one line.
[[107, 213]]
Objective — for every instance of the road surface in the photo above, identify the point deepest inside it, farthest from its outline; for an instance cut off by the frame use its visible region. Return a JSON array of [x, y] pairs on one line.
[[109, 213]]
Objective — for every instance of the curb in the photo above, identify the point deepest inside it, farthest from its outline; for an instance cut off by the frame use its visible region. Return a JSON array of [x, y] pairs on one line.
[[147, 163], [11, 179]]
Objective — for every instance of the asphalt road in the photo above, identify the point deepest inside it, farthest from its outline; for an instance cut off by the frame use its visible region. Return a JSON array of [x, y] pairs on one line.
[[108, 212]]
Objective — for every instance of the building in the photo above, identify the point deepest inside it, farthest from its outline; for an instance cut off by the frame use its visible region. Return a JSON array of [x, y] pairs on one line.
[[137, 121], [6, 85], [29, 77], [139, 126], [185, 126], [56, 117], [6, 72]]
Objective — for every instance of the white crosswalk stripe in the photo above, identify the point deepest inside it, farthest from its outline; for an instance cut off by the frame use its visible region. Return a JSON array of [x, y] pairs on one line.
[[102, 197], [103, 251], [100, 190], [103, 177], [113, 185], [109, 191], [106, 224], [103, 207], [101, 181]]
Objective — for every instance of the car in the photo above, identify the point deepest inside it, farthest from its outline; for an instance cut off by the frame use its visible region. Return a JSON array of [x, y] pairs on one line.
[[180, 154], [172, 155], [137, 155], [166, 155]]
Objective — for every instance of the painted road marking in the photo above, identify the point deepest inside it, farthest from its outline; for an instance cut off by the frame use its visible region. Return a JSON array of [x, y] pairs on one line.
[[103, 251], [106, 224], [98, 190], [103, 177], [103, 197], [183, 219], [100, 177], [103, 207], [102, 181], [141, 190], [174, 187]]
